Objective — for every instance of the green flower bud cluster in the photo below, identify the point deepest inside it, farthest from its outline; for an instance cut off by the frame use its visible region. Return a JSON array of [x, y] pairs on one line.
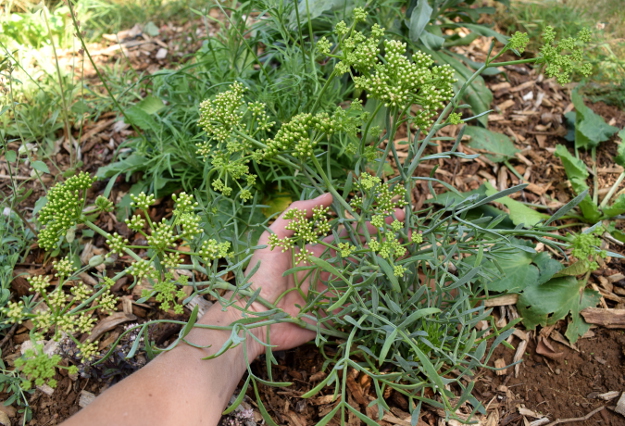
[[397, 81], [560, 64], [166, 292], [586, 248], [63, 209], [220, 116], [303, 133], [518, 41], [455, 118], [103, 204], [231, 125], [64, 268], [305, 231], [385, 200], [401, 82], [38, 367], [212, 250], [88, 350]]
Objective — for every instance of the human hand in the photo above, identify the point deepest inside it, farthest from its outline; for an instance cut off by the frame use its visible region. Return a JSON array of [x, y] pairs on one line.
[[281, 290], [269, 278]]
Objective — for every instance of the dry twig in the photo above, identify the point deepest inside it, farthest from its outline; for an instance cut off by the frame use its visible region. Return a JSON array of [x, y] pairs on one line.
[[577, 419]]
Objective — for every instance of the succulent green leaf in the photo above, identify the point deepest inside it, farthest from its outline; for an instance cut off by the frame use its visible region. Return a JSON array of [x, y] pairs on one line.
[[498, 144]]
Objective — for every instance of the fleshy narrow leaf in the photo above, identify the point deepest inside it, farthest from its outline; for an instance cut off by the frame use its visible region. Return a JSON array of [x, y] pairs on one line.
[[390, 339], [567, 207], [240, 397]]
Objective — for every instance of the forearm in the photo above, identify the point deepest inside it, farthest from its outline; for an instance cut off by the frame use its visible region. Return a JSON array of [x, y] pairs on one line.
[[177, 387]]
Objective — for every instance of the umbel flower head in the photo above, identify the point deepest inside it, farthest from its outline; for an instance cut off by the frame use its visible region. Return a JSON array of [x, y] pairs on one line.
[[63, 209], [230, 124], [397, 80], [561, 64]]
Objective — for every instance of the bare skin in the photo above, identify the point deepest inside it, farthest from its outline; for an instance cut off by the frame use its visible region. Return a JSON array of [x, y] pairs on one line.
[[178, 387]]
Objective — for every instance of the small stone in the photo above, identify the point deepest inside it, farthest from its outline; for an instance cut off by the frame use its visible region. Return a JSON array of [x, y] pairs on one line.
[[161, 54], [557, 371]]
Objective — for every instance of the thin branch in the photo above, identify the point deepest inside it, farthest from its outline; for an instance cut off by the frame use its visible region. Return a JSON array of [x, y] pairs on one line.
[[577, 419]]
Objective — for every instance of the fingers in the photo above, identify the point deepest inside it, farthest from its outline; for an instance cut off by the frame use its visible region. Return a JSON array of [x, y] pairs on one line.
[[279, 226]]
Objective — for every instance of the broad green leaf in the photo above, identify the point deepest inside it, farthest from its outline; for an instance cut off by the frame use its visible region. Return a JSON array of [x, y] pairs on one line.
[[519, 212], [419, 19], [80, 107], [140, 118], [151, 104], [576, 172], [574, 167], [498, 144], [578, 327], [545, 304], [590, 128], [617, 208], [40, 166], [573, 270], [10, 156], [620, 151], [520, 268]]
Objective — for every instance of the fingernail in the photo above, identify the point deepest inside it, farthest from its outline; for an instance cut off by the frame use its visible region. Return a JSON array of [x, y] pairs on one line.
[[320, 196]]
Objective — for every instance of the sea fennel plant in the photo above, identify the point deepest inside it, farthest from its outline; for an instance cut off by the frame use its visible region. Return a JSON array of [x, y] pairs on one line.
[[402, 294], [400, 302]]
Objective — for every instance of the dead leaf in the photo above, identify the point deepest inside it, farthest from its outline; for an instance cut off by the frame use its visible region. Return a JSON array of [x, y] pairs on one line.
[[110, 323], [544, 348]]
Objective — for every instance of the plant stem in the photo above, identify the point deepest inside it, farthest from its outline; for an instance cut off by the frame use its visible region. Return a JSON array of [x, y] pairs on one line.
[[612, 191], [595, 178], [332, 190]]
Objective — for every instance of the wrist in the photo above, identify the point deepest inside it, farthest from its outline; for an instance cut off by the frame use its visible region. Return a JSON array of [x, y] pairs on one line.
[[227, 316]]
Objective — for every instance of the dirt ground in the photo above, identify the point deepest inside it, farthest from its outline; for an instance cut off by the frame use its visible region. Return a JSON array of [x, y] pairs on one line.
[[562, 383]]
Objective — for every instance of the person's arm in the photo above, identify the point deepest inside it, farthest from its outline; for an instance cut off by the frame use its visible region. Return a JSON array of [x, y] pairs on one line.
[[178, 387]]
